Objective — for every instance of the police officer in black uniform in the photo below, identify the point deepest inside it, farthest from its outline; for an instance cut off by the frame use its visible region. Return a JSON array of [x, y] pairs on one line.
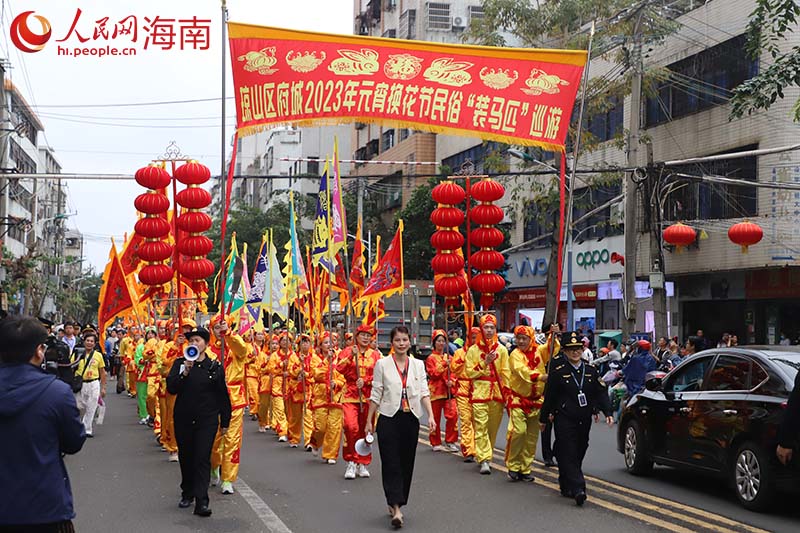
[[573, 394], [201, 407]]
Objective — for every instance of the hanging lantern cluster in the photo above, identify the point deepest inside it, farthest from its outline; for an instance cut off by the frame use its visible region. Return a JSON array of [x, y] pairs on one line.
[[745, 234], [448, 265], [193, 222], [487, 237], [153, 227], [680, 235]]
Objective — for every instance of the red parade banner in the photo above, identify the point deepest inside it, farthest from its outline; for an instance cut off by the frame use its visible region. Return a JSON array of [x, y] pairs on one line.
[[517, 96]]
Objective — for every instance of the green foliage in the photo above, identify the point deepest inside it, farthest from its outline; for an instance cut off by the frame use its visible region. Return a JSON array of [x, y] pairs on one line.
[[769, 24], [417, 231]]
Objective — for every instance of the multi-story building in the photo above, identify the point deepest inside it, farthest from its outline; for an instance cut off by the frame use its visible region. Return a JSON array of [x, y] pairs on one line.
[[713, 285]]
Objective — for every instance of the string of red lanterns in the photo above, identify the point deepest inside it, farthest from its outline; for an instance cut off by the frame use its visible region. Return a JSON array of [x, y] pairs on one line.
[[195, 246], [448, 265], [487, 237], [153, 226], [745, 234]]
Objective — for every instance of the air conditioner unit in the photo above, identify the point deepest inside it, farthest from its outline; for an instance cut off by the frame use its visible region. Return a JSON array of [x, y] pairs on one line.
[[458, 24]]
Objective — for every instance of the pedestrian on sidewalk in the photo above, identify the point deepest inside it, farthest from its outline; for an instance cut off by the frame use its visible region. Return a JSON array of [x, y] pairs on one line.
[[399, 392], [202, 405], [92, 368], [39, 422]]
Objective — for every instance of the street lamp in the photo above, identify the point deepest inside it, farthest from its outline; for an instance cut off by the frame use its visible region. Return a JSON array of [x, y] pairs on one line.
[[519, 154]]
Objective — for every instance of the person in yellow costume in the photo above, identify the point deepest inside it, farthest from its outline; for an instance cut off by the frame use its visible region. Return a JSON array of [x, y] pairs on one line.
[[327, 399], [251, 373], [487, 367], [527, 378], [463, 390], [172, 350], [276, 367], [306, 355], [128, 351], [264, 380], [295, 394], [227, 446], [152, 355]]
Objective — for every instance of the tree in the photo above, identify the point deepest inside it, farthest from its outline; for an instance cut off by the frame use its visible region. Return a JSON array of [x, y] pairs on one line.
[[417, 250], [769, 24]]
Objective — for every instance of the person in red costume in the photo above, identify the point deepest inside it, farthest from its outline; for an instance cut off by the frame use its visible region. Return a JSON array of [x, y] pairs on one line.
[[356, 363], [441, 384]]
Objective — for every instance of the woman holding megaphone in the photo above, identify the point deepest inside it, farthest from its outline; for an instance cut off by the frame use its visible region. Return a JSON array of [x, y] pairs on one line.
[[399, 392]]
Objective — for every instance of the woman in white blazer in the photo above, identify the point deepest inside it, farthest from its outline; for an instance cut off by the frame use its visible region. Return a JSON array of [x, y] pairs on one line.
[[399, 392]]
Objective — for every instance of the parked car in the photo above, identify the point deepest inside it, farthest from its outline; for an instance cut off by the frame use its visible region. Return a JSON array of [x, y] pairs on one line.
[[717, 413]]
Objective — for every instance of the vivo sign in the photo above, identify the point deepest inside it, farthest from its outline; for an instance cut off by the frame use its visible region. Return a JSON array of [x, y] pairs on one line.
[[531, 267]]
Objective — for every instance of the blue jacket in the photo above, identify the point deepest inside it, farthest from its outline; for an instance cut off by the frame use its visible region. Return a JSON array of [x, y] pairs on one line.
[[636, 370], [38, 422]]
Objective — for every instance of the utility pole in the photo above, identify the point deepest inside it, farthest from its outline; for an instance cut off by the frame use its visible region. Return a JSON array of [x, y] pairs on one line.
[[5, 131], [360, 198], [657, 268], [630, 188]]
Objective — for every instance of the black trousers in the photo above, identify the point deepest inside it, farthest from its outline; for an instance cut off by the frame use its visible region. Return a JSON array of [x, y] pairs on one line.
[[195, 440], [397, 442], [546, 440], [572, 441]]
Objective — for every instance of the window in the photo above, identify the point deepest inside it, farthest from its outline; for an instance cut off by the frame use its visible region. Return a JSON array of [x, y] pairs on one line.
[[709, 201], [25, 164], [439, 16], [730, 374], [701, 81], [402, 134], [408, 24], [387, 139], [313, 166], [605, 126], [390, 34], [475, 13], [689, 377]]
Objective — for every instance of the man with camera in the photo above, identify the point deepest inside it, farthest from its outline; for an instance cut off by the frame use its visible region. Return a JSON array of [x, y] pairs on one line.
[[202, 405], [39, 422]]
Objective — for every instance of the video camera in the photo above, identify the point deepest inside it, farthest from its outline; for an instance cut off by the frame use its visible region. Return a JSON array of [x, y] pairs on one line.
[[57, 359]]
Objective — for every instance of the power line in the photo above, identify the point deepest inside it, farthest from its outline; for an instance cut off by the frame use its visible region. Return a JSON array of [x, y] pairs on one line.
[[132, 104]]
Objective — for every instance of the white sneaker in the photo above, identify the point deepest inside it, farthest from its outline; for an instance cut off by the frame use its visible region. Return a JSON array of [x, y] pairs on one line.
[[361, 471], [315, 452], [262, 429], [143, 421], [453, 447], [173, 457], [331, 461], [293, 446], [350, 472], [215, 477], [438, 448], [227, 487], [486, 469], [282, 439]]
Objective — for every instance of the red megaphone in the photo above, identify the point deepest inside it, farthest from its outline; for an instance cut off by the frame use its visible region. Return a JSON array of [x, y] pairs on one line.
[[616, 258]]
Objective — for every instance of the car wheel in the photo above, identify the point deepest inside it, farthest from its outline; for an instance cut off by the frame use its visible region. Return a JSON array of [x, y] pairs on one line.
[[752, 477], [635, 450]]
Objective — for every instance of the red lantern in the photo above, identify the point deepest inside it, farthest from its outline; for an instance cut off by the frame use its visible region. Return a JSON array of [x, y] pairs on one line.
[[196, 268], [157, 274], [488, 260], [680, 235], [152, 227], [447, 240], [194, 198], [745, 234], [487, 237], [194, 222], [488, 284], [192, 173], [195, 245], [447, 217], [487, 190], [151, 203], [450, 286], [447, 263], [486, 214], [152, 177], [154, 251], [448, 193]]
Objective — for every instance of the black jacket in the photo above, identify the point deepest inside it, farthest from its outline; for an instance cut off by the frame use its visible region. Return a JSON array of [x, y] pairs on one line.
[[561, 393], [789, 430], [202, 396]]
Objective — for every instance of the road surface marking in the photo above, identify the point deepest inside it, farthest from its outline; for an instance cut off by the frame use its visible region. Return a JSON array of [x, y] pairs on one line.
[[260, 507]]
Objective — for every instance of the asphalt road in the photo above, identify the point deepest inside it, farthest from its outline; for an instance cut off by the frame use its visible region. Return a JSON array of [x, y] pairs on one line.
[[122, 481]]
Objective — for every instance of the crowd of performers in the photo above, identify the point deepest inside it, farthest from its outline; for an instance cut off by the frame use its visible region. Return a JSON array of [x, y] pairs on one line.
[[313, 392]]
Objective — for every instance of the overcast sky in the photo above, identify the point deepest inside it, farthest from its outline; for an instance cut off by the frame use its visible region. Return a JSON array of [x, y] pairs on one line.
[[132, 136]]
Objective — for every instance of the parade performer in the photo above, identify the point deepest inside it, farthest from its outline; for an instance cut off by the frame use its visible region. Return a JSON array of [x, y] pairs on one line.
[[227, 446], [329, 387], [527, 378], [295, 392], [172, 351], [202, 408], [128, 352], [574, 392], [487, 367], [151, 356], [463, 393], [251, 374], [142, 369], [440, 383], [356, 364], [306, 355], [264, 382], [277, 368]]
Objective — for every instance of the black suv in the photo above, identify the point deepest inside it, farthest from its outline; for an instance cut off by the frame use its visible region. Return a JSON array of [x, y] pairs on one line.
[[717, 412]]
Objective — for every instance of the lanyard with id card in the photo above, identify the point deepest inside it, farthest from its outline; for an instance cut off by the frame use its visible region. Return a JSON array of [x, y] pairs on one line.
[[581, 396], [403, 379]]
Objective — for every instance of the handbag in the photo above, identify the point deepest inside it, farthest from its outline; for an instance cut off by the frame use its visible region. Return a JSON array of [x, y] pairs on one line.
[[77, 380]]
